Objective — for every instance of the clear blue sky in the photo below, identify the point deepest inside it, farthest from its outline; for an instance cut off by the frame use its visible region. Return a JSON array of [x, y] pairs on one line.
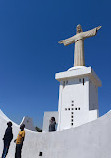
[[30, 55]]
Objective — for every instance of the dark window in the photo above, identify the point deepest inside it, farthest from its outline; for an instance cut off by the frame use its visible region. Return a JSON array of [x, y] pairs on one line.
[[40, 153], [83, 81], [72, 104], [72, 116], [72, 120], [68, 108], [72, 101], [65, 108], [80, 80], [78, 108], [72, 124], [75, 108], [63, 84], [72, 108], [71, 112]]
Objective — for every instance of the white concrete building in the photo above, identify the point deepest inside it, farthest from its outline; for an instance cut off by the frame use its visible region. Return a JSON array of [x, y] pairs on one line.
[[78, 96]]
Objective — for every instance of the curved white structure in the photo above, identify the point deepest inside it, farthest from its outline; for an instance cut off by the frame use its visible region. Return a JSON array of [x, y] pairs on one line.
[[89, 140]]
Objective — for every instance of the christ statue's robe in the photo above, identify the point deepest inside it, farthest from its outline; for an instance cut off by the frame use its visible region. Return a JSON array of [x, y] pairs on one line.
[[78, 39]]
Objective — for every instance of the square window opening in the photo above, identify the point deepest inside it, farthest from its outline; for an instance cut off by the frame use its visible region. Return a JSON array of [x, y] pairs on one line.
[[63, 84], [83, 81], [40, 153]]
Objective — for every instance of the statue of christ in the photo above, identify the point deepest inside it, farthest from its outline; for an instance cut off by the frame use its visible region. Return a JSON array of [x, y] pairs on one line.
[[78, 39]]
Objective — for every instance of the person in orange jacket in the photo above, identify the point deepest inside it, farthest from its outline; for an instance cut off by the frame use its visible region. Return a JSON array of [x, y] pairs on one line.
[[19, 141]]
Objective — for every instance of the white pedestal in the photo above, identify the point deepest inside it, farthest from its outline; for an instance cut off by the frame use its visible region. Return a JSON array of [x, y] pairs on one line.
[[78, 96]]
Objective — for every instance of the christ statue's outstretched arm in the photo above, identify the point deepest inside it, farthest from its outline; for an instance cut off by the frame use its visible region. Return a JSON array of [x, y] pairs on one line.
[[90, 33], [68, 41]]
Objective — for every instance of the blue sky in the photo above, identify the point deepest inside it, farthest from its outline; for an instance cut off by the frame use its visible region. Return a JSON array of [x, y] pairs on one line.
[[30, 54]]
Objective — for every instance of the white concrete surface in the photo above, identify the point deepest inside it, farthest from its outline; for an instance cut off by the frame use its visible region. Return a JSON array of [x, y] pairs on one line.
[[78, 71], [89, 140], [78, 97]]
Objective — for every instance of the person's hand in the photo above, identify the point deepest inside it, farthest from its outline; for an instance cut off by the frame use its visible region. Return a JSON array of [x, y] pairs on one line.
[[61, 41], [99, 27], [15, 141]]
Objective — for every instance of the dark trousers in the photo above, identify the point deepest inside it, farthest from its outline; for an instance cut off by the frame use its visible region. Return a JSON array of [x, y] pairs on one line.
[[6, 148], [18, 150]]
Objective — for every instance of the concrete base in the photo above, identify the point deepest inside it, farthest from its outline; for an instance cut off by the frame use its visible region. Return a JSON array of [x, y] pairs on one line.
[[91, 140]]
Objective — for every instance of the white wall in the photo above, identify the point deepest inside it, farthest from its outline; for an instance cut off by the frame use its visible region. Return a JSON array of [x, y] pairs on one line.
[[93, 96], [84, 97], [74, 95], [90, 140]]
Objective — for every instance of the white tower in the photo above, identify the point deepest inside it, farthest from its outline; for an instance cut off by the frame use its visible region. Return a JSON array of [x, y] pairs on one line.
[[78, 97], [78, 92]]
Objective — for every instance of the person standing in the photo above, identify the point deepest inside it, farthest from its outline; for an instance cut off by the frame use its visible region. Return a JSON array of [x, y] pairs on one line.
[[52, 124], [8, 136], [19, 141]]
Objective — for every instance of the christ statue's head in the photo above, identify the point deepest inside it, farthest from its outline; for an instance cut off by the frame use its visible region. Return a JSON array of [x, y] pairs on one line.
[[79, 29]]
